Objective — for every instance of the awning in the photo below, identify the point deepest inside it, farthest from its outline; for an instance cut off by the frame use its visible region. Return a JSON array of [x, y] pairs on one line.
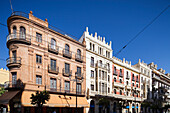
[[56, 100], [6, 97]]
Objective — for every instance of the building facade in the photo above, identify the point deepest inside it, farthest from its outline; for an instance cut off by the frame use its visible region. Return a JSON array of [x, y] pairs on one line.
[[160, 89], [43, 58], [98, 70], [4, 76], [126, 88]]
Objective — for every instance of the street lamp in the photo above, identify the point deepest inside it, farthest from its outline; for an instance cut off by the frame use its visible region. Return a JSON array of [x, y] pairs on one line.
[[76, 77]]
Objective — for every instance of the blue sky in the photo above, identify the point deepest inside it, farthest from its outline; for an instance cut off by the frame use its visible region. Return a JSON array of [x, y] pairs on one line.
[[117, 20]]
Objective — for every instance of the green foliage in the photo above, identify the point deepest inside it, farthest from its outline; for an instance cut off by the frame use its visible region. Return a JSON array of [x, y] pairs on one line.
[[40, 98], [2, 91]]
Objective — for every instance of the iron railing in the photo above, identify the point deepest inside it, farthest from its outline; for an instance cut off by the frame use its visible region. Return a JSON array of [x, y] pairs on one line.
[[65, 91], [53, 69], [79, 57], [14, 84], [53, 48], [19, 36], [18, 13], [67, 72], [13, 60], [67, 53]]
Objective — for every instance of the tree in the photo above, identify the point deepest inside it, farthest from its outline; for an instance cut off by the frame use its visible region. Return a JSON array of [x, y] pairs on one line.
[[40, 98], [104, 102], [2, 91]]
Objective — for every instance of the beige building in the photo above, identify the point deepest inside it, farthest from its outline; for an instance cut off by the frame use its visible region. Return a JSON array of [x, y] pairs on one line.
[[44, 58], [4, 76]]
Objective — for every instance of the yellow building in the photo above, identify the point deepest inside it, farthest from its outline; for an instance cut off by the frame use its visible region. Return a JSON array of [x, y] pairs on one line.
[[4, 75]]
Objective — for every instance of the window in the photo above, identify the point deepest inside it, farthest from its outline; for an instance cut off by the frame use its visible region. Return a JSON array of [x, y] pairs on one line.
[[108, 55], [102, 75], [120, 80], [53, 44], [108, 90], [14, 78], [114, 79], [79, 53], [114, 91], [100, 72], [79, 88], [108, 78], [142, 79], [67, 86], [120, 92], [79, 71], [90, 46], [100, 63], [141, 70], [38, 59], [92, 74], [67, 68], [53, 65], [127, 83], [103, 87], [93, 47], [14, 31], [120, 72], [127, 93], [38, 37], [38, 79], [14, 56], [22, 32], [137, 78], [92, 61], [92, 87], [52, 83], [136, 85], [67, 49], [132, 84], [127, 74], [115, 70], [133, 78]]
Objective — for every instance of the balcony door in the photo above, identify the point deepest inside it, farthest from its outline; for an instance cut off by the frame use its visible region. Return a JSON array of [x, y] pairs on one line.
[[78, 88], [67, 68], [67, 49], [79, 71], [67, 86], [14, 78], [53, 65], [14, 56], [22, 33], [53, 44]]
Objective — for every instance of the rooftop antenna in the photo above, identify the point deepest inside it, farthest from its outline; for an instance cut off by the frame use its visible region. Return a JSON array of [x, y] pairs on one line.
[[11, 5]]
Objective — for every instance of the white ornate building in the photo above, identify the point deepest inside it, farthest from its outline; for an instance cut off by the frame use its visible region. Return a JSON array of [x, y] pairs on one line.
[[98, 69]]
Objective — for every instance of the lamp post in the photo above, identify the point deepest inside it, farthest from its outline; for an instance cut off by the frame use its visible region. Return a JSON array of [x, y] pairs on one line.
[[76, 86]]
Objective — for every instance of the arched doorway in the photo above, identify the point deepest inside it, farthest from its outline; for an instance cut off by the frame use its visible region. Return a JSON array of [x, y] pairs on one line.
[[92, 106]]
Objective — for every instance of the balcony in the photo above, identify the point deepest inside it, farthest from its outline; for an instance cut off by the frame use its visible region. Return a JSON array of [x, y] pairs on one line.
[[79, 75], [67, 53], [115, 72], [18, 38], [117, 84], [127, 77], [121, 75], [137, 80], [53, 48], [109, 70], [91, 64], [62, 90], [79, 58], [13, 85], [53, 69], [13, 62], [67, 72], [133, 79], [103, 66]]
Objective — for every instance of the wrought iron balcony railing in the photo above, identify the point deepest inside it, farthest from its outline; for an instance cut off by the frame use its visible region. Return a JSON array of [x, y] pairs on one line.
[[14, 84], [13, 61], [67, 72], [115, 72], [53, 48], [19, 38], [71, 91], [79, 75], [67, 53], [53, 69], [79, 57]]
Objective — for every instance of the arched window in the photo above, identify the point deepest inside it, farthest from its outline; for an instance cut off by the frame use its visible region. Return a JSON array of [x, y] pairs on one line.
[[67, 49], [114, 91], [120, 80], [53, 43], [79, 53], [14, 31], [120, 92], [22, 32]]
